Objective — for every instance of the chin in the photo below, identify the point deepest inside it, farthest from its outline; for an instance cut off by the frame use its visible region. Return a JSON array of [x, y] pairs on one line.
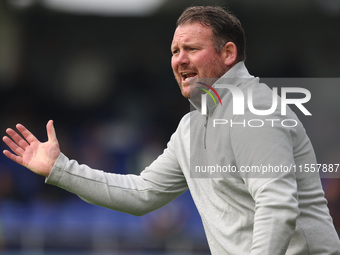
[[186, 95], [185, 91]]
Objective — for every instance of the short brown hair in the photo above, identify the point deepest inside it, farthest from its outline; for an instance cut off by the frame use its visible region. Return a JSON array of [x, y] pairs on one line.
[[225, 26]]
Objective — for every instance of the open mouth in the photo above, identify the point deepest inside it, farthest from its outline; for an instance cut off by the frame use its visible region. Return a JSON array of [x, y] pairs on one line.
[[186, 76]]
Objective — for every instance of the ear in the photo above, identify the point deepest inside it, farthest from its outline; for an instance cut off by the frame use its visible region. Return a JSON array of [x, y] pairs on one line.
[[229, 52]]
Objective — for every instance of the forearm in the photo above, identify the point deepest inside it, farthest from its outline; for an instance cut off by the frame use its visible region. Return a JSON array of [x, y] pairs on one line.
[[275, 218], [126, 193]]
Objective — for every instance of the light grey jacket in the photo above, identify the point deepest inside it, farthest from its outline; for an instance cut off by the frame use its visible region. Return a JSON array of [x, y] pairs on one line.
[[242, 213]]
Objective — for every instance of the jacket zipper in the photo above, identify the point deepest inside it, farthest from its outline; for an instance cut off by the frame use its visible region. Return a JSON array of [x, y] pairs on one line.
[[205, 131]]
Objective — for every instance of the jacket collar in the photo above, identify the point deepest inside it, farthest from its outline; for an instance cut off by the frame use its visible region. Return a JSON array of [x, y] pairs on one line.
[[234, 76]]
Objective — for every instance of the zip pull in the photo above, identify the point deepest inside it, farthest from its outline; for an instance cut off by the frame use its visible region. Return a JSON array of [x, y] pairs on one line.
[[205, 131]]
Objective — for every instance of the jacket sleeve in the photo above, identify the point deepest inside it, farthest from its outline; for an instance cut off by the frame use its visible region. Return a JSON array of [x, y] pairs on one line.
[[275, 194], [157, 185]]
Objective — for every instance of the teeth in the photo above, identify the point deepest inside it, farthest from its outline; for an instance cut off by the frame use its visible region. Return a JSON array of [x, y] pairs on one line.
[[186, 77]]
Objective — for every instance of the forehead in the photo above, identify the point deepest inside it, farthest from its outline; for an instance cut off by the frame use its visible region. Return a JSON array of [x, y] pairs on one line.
[[192, 32]]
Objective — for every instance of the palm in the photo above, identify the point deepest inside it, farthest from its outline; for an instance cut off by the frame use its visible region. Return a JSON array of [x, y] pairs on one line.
[[30, 152], [37, 156]]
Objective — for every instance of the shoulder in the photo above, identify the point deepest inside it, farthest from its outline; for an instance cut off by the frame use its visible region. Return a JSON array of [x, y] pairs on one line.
[[189, 118]]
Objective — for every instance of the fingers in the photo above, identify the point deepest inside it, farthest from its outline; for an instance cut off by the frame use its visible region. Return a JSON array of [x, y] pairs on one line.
[[26, 133], [13, 157], [13, 146], [19, 141], [51, 131]]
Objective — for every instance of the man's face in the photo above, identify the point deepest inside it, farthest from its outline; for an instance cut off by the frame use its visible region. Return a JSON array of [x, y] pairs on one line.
[[194, 55]]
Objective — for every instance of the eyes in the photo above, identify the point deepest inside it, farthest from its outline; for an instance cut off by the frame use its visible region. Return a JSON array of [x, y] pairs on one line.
[[174, 52], [188, 49]]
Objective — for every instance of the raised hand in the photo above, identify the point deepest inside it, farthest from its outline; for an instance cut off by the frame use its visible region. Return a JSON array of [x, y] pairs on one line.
[[29, 152]]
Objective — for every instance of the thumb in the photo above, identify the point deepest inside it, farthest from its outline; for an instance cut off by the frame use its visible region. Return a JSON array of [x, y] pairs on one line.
[[51, 134]]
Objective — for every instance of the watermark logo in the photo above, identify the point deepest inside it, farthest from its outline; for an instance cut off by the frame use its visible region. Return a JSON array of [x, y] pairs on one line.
[[209, 93], [239, 100]]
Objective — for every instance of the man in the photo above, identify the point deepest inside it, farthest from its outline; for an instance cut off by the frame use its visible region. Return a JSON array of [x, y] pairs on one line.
[[242, 213]]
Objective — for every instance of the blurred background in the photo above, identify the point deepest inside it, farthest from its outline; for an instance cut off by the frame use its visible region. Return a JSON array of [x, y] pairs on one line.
[[101, 70]]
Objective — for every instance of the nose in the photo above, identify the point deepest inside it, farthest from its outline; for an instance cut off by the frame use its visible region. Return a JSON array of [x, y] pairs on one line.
[[182, 58]]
